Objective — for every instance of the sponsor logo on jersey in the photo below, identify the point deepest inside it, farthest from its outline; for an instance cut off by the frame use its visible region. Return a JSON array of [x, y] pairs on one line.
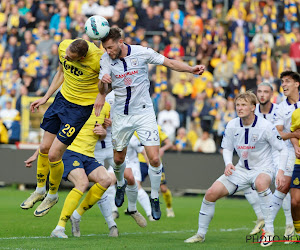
[[245, 147], [129, 73], [75, 71], [245, 154]]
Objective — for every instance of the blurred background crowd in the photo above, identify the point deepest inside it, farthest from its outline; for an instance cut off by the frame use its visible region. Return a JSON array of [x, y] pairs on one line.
[[241, 43]]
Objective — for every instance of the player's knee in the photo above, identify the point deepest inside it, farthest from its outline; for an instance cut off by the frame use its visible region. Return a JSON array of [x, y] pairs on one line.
[[295, 203], [261, 185], [130, 179], [119, 160], [53, 157], [82, 185], [44, 149], [105, 181], [154, 161], [211, 195]]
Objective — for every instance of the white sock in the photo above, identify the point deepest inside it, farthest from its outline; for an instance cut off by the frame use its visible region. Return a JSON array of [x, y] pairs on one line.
[[155, 176], [111, 192], [265, 198], [143, 199], [76, 215], [277, 200], [104, 205], [52, 196], [132, 194], [119, 172], [59, 228], [252, 197], [286, 205], [206, 214], [40, 190]]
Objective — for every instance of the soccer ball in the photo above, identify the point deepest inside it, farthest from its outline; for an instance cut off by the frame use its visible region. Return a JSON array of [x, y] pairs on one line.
[[96, 27]]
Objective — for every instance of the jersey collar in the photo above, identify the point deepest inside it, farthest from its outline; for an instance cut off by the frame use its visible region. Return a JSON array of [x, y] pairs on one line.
[[253, 124], [270, 108], [289, 102], [129, 49]]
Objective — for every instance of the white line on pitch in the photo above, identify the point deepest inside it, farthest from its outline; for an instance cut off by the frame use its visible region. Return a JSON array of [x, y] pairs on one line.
[[140, 233]]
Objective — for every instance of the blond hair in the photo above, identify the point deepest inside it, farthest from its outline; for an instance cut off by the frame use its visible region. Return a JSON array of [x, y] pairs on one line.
[[248, 96]]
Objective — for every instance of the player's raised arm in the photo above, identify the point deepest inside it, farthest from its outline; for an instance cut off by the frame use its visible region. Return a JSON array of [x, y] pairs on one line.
[[104, 86], [183, 67], [56, 82]]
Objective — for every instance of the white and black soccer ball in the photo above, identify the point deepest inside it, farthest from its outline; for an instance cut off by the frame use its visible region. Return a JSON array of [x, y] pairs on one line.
[[96, 27]]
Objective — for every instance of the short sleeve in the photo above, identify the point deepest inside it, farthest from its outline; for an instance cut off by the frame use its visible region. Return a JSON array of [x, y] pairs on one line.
[[153, 57], [274, 138], [104, 66]]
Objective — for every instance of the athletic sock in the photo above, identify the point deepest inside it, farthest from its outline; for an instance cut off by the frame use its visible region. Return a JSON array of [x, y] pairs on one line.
[[277, 200], [265, 198], [119, 172], [70, 205], [155, 176], [143, 199], [252, 197], [56, 172], [206, 214], [168, 198], [42, 172], [286, 205], [132, 194], [105, 208], [94, 194]]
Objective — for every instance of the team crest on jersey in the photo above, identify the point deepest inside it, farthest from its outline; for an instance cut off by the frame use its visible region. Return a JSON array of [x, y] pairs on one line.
[[134, 61], [76, 163], [296, 181], [254, 138], [245, 154]]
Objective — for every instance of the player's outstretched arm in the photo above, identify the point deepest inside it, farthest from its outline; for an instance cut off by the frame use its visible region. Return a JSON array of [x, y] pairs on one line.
[[31, 159], [104, 86], [183, 67], [56, 82]]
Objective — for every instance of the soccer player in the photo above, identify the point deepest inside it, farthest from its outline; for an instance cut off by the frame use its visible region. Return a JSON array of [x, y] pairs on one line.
[[78, 72], [253, 138], [290, 84], [125, 69], [143, 199], [267, 110], [292, 78], [104, 151]]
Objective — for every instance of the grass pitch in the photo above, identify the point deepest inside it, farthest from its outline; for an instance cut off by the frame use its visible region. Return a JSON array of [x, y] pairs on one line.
[[233, 221]]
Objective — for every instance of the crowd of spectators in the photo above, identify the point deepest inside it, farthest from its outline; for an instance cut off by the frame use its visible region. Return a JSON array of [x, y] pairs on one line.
[[241, 43]]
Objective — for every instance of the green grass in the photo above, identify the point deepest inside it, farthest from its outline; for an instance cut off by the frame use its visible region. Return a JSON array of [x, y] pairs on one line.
[[18, 228]]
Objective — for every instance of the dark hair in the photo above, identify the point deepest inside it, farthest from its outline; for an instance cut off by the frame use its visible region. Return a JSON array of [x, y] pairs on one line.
[[114, 33], [80, 47], [294, 75]]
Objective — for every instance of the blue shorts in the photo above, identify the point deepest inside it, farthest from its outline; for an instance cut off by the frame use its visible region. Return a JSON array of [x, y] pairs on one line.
[[73, 160], [144, 173], [65, 119], [295, 183]]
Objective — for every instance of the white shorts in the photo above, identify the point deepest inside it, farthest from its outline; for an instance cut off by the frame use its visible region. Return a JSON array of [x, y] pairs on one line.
[[242, 179], [289, 168], [123, 127], [105, 154], [136, 170]]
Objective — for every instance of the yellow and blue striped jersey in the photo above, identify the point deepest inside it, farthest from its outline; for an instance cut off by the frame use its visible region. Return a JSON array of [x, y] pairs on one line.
[[162, 137], [86, 140], [80, 84]]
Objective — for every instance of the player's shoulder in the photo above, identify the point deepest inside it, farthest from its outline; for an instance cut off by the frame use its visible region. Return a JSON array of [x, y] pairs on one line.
[[105, 57], [139, 50], [234, 123], [283, 104], [64, 44], [296, 113], [262, 122]]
